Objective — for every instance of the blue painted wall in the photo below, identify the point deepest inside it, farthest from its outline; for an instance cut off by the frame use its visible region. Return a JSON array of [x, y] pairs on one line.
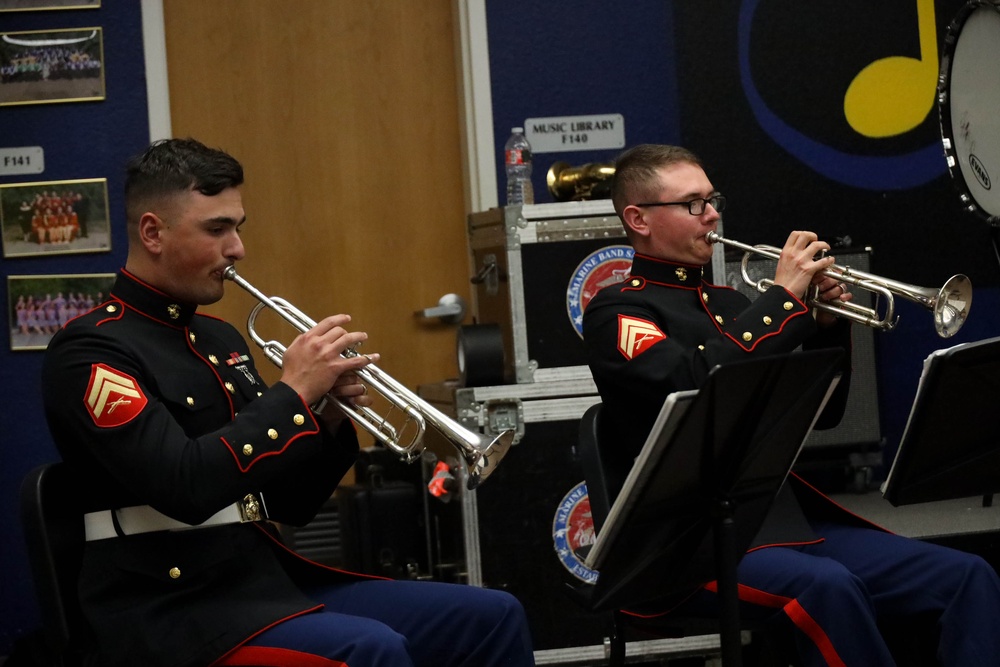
[[756, 88], [736, 80], [80, 140]]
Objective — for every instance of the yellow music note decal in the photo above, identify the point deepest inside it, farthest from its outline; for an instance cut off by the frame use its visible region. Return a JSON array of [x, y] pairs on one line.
[[894, 95]]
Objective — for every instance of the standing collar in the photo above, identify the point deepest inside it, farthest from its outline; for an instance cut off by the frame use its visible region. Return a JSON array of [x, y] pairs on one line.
[[668, 273], [151, 302]]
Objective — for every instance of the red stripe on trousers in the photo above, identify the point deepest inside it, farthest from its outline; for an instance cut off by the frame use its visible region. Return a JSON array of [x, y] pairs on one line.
[[799, 616], [275, 657]]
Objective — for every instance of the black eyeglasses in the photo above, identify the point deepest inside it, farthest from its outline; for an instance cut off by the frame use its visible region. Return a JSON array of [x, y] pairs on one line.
[[695, 206]]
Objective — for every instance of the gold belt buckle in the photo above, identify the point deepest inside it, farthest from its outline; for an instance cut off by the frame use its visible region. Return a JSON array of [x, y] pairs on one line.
[[249, 508]]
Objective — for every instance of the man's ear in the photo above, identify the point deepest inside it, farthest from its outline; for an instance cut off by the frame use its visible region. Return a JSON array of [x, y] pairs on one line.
[[632, 217], [151, 232]]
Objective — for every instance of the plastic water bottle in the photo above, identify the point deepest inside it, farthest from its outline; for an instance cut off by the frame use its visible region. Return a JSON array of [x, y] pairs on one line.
[[517, 155]]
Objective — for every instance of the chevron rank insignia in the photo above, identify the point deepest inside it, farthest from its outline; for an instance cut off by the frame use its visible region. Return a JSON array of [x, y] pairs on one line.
[[112, 398], [635, 336]]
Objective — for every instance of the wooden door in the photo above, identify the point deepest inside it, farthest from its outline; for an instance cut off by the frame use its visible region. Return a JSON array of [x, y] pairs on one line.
[[345, 117]]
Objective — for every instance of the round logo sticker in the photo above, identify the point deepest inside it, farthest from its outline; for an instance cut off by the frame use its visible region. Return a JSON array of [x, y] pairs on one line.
[[573, 533], [603, 267]]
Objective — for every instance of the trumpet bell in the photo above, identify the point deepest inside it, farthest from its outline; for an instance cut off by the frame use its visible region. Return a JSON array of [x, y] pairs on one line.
[[483, 461], [588, 181], [951, 305]]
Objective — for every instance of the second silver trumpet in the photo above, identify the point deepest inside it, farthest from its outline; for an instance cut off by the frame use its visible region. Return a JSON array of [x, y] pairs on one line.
[[480, 453], [950, 305]]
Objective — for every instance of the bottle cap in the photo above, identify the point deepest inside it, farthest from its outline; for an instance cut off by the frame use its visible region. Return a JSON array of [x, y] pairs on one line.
[[517, 130]]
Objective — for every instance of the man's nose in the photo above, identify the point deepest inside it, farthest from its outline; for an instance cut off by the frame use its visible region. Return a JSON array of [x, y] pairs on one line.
[[235, 250]]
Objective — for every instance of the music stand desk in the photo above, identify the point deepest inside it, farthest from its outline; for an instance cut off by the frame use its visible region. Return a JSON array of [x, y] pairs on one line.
[[950, 447], [705, 480]]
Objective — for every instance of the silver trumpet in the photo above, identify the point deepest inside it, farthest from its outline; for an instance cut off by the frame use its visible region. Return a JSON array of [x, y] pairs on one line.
[[950, 304], [480, 453]]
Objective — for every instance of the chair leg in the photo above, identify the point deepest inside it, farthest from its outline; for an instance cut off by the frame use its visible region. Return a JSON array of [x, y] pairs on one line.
[[616, 642]]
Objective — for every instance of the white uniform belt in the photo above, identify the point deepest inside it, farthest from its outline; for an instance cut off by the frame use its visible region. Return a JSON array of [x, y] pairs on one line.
[[145, 519]]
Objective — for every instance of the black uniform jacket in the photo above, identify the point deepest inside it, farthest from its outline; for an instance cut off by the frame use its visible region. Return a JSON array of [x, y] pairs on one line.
[[154, 404], [664, 329]]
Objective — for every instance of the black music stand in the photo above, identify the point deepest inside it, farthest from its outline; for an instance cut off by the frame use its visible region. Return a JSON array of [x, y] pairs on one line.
[[950, 447], [704, 482]]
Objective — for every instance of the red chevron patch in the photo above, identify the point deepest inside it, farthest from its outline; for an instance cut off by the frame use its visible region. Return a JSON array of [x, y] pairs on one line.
[[635, 336], [112, 398]]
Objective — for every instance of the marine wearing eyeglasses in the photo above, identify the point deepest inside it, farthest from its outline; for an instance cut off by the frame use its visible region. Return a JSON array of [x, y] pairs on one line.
[[830, 574]]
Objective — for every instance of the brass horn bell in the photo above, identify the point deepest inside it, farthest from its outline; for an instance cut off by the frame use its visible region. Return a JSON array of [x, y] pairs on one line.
[[588, 181]]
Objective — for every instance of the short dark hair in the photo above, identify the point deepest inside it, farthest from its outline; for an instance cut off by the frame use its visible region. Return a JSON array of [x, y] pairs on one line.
[[636, 172], [170, 166]]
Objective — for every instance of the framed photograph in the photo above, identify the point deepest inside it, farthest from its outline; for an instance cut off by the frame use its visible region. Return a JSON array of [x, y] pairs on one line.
[[41, 305], [43, 66], [32, 5], [55, 217]]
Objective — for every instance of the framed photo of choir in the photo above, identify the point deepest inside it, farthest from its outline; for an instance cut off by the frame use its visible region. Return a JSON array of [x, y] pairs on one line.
[[43, 66], [39, 306], [33, 5], [54, 217]]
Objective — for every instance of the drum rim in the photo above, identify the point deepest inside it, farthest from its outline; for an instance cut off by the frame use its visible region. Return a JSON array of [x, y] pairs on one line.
[[968, 201]]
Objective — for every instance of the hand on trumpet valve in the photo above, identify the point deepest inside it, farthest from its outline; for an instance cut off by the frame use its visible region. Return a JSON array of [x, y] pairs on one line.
[[829, 289], [314, 362], [800, 262], [350, 388]]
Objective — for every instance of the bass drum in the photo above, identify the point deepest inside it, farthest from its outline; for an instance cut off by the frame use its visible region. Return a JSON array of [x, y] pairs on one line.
[[969, 106]]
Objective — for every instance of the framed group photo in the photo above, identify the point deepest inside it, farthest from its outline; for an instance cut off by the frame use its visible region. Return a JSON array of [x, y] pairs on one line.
[[42, 305], [33, 5], [43, 66], [55, 217]]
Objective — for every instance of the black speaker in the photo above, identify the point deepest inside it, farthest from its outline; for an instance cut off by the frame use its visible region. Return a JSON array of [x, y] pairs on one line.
[[860, 428]]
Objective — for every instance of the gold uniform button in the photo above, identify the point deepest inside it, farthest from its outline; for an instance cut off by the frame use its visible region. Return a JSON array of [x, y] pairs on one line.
[[259, 394], [788, 305], [214, 359], [231, 387], [704, 297], [747, 336], [299, 420], [247, 449], [718, 318], [190, 400], [192, 337], [272, 434], [767, 319], [175, 573], [112, 309], [701, 347], [635, 282]]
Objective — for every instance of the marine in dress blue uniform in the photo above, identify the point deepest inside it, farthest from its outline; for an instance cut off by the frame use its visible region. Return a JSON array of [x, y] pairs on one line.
[[159, 409], [832, 575]]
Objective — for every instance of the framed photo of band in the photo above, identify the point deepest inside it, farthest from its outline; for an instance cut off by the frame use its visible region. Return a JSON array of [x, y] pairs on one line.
[[55, 217], [35, 5], [39, 306], [44, 66]]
